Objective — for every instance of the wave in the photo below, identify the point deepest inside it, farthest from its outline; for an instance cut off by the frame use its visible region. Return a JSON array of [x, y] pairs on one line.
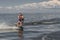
[[6, 26], [46, 22], [52, 36], [48, 36]]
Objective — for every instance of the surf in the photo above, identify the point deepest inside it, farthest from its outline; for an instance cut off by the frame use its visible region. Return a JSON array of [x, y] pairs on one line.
[[4, 25]]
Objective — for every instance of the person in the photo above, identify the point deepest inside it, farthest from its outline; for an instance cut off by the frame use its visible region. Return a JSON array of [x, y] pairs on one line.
[[20, 24], [20, 17], [20, 21]]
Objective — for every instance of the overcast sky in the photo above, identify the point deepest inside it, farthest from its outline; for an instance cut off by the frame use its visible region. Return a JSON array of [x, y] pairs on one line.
[[30, 6]]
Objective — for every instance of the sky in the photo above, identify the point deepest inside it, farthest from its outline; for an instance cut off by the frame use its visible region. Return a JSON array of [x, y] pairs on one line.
[[30, 6]]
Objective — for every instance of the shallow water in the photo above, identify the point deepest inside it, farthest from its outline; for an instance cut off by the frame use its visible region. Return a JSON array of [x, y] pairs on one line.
[[30, 32], [8, 31]]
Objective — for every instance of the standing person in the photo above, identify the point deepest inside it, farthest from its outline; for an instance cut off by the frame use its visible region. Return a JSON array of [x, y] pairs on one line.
[[20, 21], [20, 24]]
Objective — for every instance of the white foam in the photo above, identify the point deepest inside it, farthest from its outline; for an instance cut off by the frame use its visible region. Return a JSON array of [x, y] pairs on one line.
[[5, 26]]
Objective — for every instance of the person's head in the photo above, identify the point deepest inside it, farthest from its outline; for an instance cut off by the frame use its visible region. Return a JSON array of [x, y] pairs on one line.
[[20, 14]]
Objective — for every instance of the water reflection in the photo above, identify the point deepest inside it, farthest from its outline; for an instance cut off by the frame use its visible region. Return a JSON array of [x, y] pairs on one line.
[[20, 34]]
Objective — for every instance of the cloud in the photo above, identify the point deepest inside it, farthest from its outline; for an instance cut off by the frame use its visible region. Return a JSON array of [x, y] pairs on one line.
[[44, 4], [9, 7], [34, 6]]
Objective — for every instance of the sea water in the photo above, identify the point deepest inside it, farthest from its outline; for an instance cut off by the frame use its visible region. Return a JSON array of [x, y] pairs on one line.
[[8, 30]]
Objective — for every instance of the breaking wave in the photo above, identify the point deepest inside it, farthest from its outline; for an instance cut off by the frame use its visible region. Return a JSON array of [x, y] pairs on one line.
[[6, 26], [47, 22]]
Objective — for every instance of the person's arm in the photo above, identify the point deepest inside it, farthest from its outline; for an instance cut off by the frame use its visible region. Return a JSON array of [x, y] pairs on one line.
[[23, 18], [18, 17]]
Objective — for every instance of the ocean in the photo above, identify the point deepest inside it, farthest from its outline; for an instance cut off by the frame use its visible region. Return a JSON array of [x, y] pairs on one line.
[[46, 27]]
